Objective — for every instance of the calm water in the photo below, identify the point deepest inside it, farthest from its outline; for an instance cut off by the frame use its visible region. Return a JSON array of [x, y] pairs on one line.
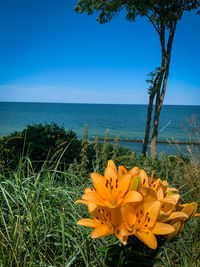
[[126, 121]]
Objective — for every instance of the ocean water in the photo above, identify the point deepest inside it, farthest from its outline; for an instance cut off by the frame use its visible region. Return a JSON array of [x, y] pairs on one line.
[[126, 121]]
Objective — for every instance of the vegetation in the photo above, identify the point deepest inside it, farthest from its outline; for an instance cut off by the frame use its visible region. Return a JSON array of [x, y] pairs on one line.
[[38, 215], [51, 145], [41, 143], [164, 16]]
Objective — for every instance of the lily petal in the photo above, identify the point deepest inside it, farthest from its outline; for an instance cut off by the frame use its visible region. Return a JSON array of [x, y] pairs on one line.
[[121, 237], [84, 202], [124, 183], [176, 215], [148, 238], [162, 229], [93, 197], [171, 199], [134, 171], [89, 223], [116, 218], [101, 231], [132, 196], [122, 171], [112, 165], [99, 183], [178, 227]]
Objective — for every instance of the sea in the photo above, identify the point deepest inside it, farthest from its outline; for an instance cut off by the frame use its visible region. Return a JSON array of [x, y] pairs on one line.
[[177, 122]]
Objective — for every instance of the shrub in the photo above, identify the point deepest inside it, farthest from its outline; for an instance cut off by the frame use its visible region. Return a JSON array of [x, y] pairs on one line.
[[41, 142]]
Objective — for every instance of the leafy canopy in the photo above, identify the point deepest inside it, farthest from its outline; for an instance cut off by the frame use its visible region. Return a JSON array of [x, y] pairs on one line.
[[156, 11]]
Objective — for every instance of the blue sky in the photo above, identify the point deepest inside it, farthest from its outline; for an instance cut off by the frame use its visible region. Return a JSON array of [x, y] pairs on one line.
[[49, 53]]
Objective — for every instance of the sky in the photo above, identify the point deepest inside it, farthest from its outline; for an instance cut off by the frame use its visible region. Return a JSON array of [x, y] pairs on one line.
[[49, 53]]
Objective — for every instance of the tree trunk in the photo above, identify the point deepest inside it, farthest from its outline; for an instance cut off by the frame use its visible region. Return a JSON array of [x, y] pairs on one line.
[[155, 128], [159, 102], [156, 85], [160, 94], [148, 124], [149, 113]]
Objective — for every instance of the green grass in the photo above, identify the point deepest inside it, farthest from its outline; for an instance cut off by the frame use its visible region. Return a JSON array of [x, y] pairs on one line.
[[38, 215]]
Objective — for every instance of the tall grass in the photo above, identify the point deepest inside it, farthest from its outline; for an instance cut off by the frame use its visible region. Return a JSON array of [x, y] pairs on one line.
[[38, 220], [38, 215]]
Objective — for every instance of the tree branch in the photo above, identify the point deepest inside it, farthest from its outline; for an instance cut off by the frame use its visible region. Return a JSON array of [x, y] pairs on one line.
[[150, 19]]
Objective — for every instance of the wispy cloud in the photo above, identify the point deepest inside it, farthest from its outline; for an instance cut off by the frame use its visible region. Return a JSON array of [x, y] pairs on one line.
[[133, 92], [64, 94]]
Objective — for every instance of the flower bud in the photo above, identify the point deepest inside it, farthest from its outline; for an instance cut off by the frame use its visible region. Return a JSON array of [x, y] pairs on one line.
[[178, 226], [189, 209], [135, 183]]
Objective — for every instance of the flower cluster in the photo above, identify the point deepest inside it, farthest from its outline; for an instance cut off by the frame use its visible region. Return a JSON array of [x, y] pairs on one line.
[[128, 203]]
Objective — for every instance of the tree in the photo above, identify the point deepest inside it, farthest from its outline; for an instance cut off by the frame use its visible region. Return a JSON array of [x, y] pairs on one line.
[[163, 15]]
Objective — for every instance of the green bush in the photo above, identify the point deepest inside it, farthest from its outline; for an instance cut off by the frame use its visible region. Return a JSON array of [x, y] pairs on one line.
[[41, 142]]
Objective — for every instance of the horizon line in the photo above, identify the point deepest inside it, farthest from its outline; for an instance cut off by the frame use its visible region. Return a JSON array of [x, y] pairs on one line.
[[82, 103]]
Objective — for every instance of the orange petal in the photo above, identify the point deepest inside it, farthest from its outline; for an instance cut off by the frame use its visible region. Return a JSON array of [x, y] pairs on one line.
[[92, 207], [144, 178], [163, 216], [189, 209], [148, 238], [171, 199], [132, 196], [84, 202], [122, 171], [89, 189], [153, 208], [89, 223], [148, 193], [176, 215], [122, 238], [129, 216], [112, 165], [178, 226], [162, 229], [124, 183], [134, 171], [110, 175], [101, 231], [99, 183], [160, 193], [197, 215], [116, 217], [93, 197]]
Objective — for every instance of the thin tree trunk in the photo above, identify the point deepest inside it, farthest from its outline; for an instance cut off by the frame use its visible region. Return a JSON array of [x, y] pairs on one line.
[[156, 85], [149, 113], [160, 94], [159, 102], [148, 124]]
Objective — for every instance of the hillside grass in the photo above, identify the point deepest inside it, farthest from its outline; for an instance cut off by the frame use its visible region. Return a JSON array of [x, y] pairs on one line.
[[38, 215]]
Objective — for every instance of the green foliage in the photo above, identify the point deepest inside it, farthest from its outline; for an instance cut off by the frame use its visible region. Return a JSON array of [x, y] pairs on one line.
[[38, 218], [38, 215], [155, 11], [41, 142]]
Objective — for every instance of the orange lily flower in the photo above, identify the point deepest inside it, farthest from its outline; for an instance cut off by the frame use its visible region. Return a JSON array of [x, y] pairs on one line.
[[128, 203], [111, 190], [105, 222], [142, 222]]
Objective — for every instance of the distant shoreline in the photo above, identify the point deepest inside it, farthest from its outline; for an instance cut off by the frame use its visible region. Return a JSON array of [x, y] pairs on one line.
[[142, 140]]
